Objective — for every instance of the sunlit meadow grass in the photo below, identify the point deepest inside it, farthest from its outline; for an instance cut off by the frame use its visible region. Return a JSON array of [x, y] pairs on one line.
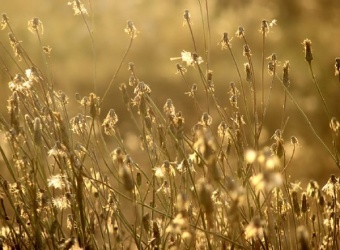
[[215, 187]]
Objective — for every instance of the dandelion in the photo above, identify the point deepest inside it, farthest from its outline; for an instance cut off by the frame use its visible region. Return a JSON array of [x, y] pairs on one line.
[[36, 26], [78, 7], [131, 30]]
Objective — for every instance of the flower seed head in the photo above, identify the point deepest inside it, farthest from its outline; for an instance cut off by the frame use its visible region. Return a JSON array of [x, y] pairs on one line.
[[308, 50]]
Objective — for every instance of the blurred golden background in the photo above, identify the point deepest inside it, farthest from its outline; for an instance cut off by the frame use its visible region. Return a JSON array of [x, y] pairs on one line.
[[162, 36]]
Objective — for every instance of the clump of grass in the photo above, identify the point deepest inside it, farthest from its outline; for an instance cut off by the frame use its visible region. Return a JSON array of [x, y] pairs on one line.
[[217, 187]]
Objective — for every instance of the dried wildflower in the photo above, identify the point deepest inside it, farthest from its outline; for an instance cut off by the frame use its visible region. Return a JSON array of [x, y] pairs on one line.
[[254, 230], [189, 58], [233, 95], [16, 83], [169, 108], [304, 204], [141, 88], [47, 50], [158, 172], [110, 122], [16, 46], [4, 21], [223, 131], [334, 124], [78, 7], [294, 141], [61, 202], [312, 189], [337, 67], [193, 90], [187, 17], [94, 105], [246, 50], [131, 29], [57, 181], [180, 69], [285, 77], [78, 124], [332, 186], [206, 119], [210, 82], [36, 26], [272, 64], [238, 120], [249, 75], [165, 188], [278, 147], [225, 41], [308, 50], [58, 150], [240, 32], [131, 67], [265, 26]]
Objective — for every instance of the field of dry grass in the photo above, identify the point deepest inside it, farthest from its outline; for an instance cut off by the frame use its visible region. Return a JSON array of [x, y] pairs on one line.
[[215, 124]]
